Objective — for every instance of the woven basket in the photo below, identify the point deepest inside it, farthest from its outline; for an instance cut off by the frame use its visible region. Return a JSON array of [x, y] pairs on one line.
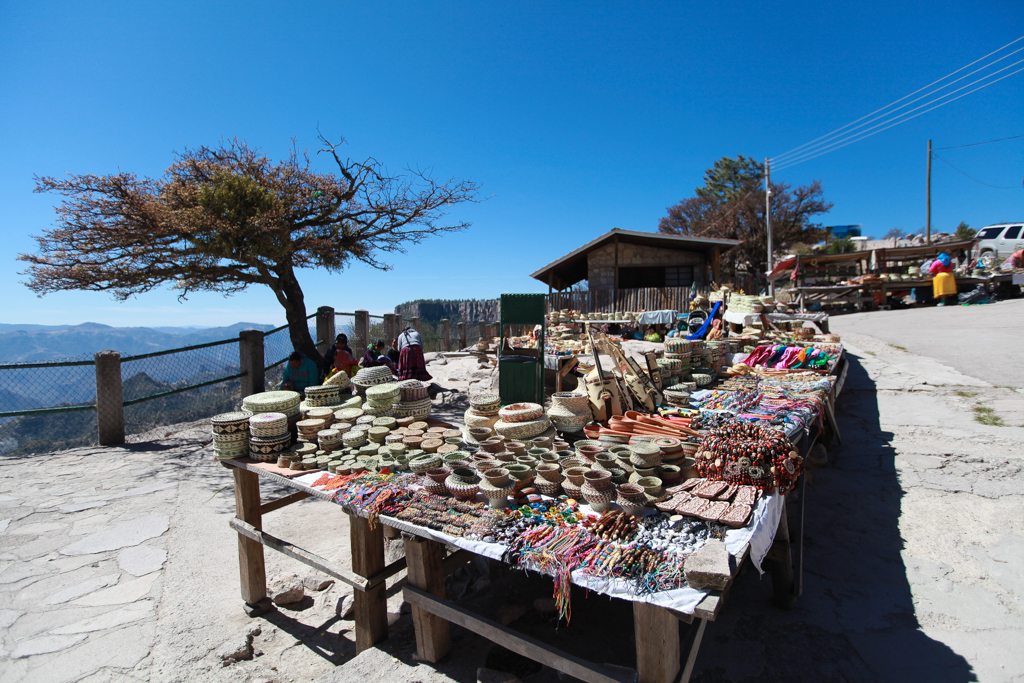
[[521, 412], [575, 403], [523, 429]]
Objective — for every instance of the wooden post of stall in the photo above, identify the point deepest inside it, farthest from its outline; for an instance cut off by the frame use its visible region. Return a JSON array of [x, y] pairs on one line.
[[615, 281], [423, 563], [657, 643], [716, 266], [371, 607], [251, 565]]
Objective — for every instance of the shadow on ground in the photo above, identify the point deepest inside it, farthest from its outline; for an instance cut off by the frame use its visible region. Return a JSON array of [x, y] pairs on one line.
[[855, 620]]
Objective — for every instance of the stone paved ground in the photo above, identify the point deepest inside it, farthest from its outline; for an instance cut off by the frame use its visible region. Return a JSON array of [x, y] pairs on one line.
[[117, 564]]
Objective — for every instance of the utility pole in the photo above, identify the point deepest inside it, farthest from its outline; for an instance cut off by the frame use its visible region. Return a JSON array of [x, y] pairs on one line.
[[768, 219], [928, 220]]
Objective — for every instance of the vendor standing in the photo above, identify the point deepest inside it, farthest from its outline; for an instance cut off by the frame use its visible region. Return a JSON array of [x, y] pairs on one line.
[[943, 283], [410, 361]]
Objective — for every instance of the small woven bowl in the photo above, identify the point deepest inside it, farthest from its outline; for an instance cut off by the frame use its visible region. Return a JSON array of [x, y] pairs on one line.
[[438, 474]]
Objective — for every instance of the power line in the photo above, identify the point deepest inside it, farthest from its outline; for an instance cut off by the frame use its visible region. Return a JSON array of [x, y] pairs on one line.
[[987, 142], [824, 139], [795, 150], [807, 156], [854, 137], [980, 182]]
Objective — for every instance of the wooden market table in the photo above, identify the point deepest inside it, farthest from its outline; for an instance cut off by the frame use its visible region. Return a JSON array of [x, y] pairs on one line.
[[657, 635]]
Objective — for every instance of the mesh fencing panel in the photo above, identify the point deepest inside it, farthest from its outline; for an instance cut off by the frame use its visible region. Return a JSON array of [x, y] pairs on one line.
[[179, 386], [431, 333], [66, 390], [277, 345]]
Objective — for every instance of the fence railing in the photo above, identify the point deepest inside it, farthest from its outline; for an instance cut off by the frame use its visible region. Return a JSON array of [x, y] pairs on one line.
[[49, 405], [609, 300]]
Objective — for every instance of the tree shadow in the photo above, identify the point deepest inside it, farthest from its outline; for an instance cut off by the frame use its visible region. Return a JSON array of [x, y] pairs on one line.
[[855, 620]]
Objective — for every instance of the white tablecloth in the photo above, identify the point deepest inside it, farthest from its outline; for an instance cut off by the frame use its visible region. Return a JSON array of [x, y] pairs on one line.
[[759, 534]]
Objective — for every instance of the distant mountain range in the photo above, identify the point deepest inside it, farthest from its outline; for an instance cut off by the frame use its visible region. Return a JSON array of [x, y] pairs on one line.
[[27, 343]]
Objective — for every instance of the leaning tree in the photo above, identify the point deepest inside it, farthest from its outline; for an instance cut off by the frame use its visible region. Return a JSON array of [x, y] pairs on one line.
[[226, 217]]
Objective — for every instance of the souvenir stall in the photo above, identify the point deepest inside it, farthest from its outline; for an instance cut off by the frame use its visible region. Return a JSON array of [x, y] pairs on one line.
[[654, 483]]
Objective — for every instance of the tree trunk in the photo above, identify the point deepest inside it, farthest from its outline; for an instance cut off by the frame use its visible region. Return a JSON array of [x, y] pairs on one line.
[[295, 314]]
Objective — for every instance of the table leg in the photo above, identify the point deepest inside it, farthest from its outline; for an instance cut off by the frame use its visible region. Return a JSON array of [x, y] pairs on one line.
[[370, 606], [691, 657], [657, 643], [423, 562], [781, 557], [251, 565]]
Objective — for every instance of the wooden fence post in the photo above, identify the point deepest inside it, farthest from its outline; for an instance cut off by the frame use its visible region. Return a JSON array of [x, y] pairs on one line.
[[416, 323], [362, 331], [446, 335], [109, 399], [251, 362], [462, 335], [324, 328]]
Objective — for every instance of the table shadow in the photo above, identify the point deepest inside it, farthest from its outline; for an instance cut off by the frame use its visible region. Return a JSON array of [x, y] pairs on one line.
[[855, 620]]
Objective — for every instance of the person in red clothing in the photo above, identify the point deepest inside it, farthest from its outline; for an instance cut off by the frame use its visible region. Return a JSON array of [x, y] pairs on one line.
[[943, 284]]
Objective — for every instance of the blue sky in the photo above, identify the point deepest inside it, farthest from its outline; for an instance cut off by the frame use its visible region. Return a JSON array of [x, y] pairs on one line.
[[574, 117]]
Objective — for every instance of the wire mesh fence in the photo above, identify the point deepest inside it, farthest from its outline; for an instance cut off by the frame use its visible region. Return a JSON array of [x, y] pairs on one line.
[[277, 345], [431, 332], [47, 403], [179, 385]]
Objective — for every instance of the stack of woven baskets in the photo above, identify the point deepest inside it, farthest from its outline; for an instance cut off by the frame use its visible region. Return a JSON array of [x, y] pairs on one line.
[[414, 400], [284, 402], [520, 421], [231, 435], [369, 377], [482, 411], [569, 412], [268, 436], [380, 399], [323, 396]]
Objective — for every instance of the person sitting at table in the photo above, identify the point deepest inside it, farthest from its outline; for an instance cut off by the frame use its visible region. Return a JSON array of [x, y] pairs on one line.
[[393, 353], [341, 342], [375, 356], [299, 373], [345, 362]]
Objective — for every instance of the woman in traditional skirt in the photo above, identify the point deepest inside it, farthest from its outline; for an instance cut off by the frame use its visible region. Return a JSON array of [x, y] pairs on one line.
[[943, 284]]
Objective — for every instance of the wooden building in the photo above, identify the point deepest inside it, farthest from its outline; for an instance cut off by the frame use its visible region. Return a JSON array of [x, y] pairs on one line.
[[627, 270]]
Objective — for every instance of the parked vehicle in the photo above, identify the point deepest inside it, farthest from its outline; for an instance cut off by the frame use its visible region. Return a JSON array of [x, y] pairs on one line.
[[997, 242]]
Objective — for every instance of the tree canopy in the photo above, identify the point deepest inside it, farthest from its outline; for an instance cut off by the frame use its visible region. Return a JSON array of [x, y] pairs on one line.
[[731, 205], [225, 217]]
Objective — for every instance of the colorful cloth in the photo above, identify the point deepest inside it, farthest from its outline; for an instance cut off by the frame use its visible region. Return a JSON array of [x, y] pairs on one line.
[[344, 362], [944, 284], [411, 364]]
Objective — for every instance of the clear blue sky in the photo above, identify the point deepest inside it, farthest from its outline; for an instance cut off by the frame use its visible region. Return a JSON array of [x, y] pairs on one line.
[[574, 117]]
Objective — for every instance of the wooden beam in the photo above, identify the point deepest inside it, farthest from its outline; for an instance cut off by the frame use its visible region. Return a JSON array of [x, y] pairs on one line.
[[282, 502], [304, 556], [657, 643], [371, 608], [513, 640], [691, 657], [251, 564], [433, 639]]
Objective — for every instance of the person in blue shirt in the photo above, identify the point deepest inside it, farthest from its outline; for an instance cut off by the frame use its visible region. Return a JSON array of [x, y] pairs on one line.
[[299, 373]]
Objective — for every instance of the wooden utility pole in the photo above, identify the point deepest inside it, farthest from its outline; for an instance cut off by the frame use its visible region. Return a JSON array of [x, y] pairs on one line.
[[768, 219], [928, 220]]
